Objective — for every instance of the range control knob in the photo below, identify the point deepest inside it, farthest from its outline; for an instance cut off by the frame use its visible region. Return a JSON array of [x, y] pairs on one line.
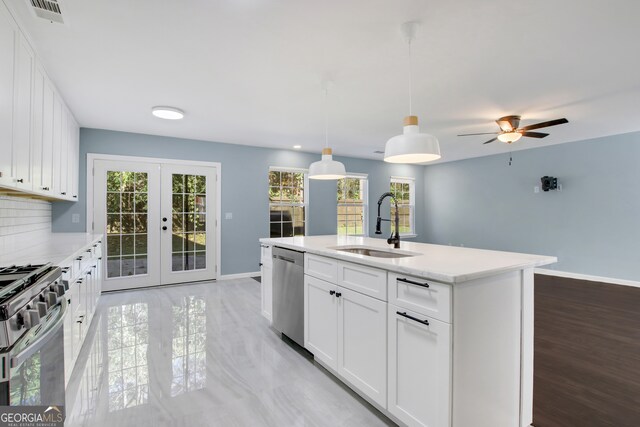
[[30, 318], [51, 298], [42, 308], [58, 289]]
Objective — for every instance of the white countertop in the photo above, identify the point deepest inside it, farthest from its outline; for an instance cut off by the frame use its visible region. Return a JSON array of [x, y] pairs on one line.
[[54, 248], [450, 264]]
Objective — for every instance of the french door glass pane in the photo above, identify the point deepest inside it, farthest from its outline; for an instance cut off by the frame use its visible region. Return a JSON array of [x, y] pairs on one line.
[[126, 223], [189, 238]]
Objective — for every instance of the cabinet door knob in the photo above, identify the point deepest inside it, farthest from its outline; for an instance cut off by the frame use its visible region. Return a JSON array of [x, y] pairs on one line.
[[338, 294], [20, 180], [332, 292], [45, 188], [63, 193]]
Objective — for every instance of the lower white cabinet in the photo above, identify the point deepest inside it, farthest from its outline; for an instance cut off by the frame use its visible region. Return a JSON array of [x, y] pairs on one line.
[[321, 320], [419, 368], [83, 274], [362, 343], [266, 285], [346, 331]]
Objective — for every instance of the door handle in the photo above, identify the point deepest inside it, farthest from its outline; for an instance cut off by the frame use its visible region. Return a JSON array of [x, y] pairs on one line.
[[164, 219], [164, 227]]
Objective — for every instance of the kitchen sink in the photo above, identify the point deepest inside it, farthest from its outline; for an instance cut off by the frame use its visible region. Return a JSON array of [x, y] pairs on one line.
[[374, 252]]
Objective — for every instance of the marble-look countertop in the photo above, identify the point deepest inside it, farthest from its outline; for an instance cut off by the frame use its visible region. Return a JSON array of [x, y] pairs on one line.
[[54, 248], [450, 264]]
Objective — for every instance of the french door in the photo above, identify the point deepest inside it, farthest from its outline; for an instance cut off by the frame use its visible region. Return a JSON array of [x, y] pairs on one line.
[[159, 222]]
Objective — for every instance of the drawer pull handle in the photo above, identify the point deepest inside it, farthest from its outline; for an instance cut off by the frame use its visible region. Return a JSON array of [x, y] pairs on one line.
[[404, 314], [424, 285]]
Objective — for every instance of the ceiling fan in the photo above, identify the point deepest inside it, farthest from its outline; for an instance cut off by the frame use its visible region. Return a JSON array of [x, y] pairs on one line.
[[510, 132]]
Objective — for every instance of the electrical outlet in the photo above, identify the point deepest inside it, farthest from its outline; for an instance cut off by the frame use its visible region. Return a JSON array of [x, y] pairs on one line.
[[559, 187], [228, 215], [536, 189], [75, 218]]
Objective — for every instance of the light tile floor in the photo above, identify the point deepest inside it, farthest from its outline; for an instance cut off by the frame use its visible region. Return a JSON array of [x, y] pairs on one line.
[[201, 355]]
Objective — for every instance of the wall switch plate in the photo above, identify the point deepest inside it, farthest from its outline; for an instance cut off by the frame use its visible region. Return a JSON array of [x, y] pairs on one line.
[[536, 189], [75, 218], [228, 215], [559, 187]]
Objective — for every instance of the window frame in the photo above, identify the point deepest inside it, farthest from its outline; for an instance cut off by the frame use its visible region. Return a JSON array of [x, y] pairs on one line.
[[305, 203], [412, 201], [365, 203]]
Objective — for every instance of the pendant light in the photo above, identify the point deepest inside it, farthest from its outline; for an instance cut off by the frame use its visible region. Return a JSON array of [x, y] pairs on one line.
[[412, 146], [327, 168]]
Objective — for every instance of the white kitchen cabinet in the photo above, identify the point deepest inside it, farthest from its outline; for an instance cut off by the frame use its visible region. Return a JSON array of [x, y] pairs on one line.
[[347, 332], [362, 343], [321, 320], [419, 368], [84, 275], [22, 99], [266, 281], [39, 138], [8, 34]]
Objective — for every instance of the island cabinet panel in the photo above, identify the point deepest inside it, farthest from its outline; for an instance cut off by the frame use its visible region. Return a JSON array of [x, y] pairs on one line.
[[321, 320], [321, 267], [423, 296], [367, 280], [266, 285], [419, 368], [362, 343]]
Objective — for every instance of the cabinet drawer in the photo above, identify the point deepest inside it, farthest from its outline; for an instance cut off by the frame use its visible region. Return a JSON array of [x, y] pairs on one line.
[[367, 280], [321, 267], [420, 295], [265, 255]]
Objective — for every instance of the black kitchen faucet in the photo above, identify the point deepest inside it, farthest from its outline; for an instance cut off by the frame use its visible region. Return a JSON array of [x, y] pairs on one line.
[[393, 238]]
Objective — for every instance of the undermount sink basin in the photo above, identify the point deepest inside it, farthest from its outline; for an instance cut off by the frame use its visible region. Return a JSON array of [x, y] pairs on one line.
[[374, 252]]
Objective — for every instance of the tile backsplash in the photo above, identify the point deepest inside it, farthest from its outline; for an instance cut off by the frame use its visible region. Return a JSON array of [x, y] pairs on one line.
[[22, 222]]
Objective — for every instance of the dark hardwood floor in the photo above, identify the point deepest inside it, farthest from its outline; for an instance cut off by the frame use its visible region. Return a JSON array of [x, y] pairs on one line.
[[587, 354]]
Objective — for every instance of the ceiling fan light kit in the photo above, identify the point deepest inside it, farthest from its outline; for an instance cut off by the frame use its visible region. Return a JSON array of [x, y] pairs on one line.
[[511, 132], [411, 146]]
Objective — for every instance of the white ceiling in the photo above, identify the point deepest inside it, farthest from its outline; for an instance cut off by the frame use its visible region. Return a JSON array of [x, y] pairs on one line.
[[250, 71]]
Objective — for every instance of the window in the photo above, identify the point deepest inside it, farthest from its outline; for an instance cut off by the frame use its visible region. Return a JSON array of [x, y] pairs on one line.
[[352, 205], [287, 202], [404, 191]]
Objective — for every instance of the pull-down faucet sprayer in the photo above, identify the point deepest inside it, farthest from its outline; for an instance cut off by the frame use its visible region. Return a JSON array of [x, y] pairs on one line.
[[393, 238]]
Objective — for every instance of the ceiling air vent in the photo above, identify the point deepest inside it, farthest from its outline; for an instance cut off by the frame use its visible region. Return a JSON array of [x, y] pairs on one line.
[[48, 9]]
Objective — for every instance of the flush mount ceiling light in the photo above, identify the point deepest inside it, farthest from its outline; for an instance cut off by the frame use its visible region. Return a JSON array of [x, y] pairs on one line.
[[327, 168], [412, 146], [168, 113], [297, 147]]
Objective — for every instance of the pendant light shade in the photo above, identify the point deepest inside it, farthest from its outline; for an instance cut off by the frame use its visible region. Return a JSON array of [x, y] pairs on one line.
[[327, 168], [412, 146]]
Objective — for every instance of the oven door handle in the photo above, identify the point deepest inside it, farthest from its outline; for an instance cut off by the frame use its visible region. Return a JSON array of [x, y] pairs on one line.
[[40, 341]]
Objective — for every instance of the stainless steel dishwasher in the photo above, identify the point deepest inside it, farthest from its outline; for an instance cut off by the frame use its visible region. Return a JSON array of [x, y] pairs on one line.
[[288, 293]]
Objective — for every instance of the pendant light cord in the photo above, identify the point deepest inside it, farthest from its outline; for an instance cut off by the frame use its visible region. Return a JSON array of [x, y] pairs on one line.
[[326, 117], [410, 81]]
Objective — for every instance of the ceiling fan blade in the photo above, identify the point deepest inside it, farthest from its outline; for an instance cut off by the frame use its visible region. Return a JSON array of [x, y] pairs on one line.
[[491, 140], [534, 134], [545, 124], [484, 133]]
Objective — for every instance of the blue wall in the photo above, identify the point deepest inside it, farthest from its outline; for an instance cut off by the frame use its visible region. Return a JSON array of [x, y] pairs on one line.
[[592, 226], [244, 187]]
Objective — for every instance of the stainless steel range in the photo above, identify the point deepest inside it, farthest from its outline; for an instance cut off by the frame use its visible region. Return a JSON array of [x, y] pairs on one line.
[[32, 311]]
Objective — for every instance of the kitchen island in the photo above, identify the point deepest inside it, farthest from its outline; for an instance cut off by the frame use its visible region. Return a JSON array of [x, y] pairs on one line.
[[430, 335]]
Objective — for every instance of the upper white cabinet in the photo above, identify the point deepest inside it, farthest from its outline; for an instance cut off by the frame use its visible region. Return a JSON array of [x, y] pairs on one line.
[[8, 34], [39, 138]]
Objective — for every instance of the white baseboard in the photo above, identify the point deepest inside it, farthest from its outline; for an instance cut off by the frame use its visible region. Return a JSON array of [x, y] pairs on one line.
[[587, 277], [238, 276]]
